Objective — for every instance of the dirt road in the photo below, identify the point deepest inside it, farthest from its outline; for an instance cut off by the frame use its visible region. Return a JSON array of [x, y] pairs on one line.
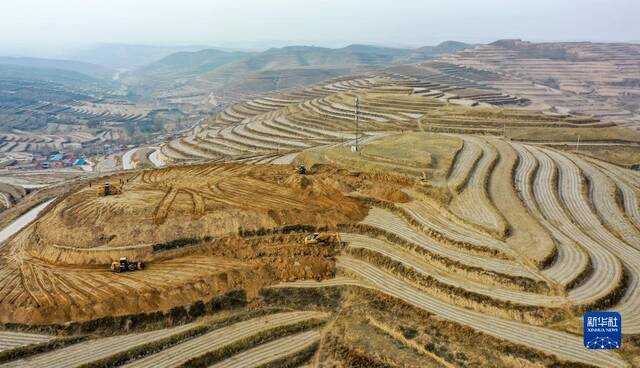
[[127, 159], [22, 221]]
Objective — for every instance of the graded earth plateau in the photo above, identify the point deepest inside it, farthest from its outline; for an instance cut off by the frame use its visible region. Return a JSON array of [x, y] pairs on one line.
[[465, 216]]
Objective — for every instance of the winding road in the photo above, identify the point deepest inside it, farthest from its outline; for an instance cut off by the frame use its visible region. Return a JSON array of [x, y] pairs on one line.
[[22, 221]]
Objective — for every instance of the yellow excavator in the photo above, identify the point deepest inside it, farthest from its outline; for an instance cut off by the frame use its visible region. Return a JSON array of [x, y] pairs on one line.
[[322, 238], [109, 189], [424, 182], [124, 265]]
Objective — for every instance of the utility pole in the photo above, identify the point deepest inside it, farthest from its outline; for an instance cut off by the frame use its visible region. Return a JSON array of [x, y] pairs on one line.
[[357, 118]]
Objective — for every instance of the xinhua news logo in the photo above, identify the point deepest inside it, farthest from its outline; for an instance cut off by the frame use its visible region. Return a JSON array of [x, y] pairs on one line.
[[602, 330]]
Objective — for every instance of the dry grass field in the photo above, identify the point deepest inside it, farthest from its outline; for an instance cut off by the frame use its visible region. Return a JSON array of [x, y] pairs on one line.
[[491, 263]]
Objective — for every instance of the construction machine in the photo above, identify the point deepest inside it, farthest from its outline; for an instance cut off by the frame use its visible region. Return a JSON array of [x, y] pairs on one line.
[[423, 180], [302, 170], [322, 238], [109, 189], [125, 265]]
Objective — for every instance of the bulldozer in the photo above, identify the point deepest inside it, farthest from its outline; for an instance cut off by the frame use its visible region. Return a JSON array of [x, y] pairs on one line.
[[322, 238], [109, 189], [124, 265], [424, 182]]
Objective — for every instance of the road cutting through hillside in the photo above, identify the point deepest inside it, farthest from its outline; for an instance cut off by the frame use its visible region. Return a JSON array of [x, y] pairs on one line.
[[22, 221]]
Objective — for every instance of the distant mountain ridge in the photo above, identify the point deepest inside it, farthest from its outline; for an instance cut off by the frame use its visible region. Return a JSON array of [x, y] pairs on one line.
[[123, 56], [302, 56], [184, 64], [445, 47], [91, 70], [21, 73], [221, 67]]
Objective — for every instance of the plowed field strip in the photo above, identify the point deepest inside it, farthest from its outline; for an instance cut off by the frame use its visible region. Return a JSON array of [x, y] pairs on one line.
[[190, 148], [603, 198], [391, 223], [607, 269], [571, 260], [525, 230], [275, 126], [463, 165], [271, 351], [12, 340], [288, 121], [473, 203], [414, 261], [632, 176], [260, 127], [624, 181], [571, 192], [563, 345], [275, 139], [309, 284], [285, 125], [432, 218], [214, 340], [89, 351]]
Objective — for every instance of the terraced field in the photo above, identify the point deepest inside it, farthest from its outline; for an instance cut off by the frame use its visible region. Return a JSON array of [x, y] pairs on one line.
[[272, 352], [324, 115], [282, 334], [225, 336], [471, 202], [459, 246], [436, 256], [111, 112], [12, 340], [76, 355], [271, 126], [590, 78], [24, 142]]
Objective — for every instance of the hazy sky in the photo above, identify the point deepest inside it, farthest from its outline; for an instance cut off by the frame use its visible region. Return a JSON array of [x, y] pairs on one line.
[[32, 24]]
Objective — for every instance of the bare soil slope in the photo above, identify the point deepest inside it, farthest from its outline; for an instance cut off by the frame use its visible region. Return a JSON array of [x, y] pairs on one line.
[[57, 270]]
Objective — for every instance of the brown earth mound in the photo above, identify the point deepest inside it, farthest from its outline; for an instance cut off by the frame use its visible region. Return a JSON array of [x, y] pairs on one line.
[[163, 205], [58, 294], [200, 230]]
